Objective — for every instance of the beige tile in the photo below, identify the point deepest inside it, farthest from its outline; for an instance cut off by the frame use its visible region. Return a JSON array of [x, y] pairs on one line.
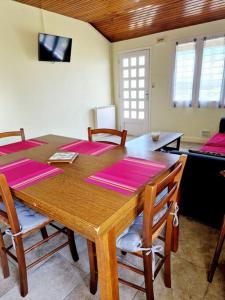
[[197, 242], [216, 289], [126, 293], [160, 291], [188, 282], [52, 280], [6, 284], [81, 291], [83, 262]]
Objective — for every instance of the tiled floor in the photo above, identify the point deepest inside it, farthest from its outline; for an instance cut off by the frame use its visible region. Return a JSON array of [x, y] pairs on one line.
[[61, 278]]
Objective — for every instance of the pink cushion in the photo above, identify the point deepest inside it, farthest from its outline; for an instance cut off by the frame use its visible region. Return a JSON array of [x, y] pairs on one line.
[[213, 149], [217, 140], [215, 144]]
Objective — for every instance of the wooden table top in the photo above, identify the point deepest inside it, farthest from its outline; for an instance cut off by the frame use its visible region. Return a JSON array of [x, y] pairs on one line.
[[68, 199], [146, 140]]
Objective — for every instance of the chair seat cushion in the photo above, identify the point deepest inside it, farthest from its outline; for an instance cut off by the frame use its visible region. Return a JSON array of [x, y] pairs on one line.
[[131, 238], [28, 218]]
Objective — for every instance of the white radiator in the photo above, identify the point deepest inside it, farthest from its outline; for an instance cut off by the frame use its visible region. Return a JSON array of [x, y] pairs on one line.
[[105, 117]]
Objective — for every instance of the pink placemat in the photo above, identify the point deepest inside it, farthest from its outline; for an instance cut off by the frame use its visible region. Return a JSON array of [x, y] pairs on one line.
[[86, 147], [217, 140], [20, 146], [127, 175], [25, 172]]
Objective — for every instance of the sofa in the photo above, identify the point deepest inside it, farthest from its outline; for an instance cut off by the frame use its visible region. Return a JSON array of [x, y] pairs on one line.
[[222, 126], [202, 194]]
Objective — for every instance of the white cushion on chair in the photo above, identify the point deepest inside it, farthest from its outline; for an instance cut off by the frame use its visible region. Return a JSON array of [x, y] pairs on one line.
[[28, 218], [131, 239]]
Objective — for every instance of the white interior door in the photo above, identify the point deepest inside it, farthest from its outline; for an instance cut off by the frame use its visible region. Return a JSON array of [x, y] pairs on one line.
[[134, 91]]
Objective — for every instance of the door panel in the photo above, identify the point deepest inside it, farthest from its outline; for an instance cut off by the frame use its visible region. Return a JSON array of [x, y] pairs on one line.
[[134, 91]]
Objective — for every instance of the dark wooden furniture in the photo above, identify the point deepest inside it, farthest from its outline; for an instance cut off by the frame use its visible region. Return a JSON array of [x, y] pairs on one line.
[[10, 219], [151, 231], [13, 133], [121, 134], [219, 246], [216, 256], [165, 139], [98, 214], [122, 20]]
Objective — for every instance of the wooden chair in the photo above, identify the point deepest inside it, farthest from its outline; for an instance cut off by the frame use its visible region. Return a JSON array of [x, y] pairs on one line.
[[153, 226], [13, 133], [218, 250], [22, 222], [121, 134]]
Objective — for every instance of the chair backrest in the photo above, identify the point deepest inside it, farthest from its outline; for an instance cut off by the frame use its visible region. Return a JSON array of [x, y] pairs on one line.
[[168, 185], [121, 134], [9, 217], [13, 133]]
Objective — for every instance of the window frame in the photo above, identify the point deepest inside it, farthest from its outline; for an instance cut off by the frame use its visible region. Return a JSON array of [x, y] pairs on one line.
[[197, 74]]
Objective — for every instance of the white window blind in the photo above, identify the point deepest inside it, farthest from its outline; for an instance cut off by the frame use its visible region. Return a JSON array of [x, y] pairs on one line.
[[212, 72], [184, 73], [199, 73]]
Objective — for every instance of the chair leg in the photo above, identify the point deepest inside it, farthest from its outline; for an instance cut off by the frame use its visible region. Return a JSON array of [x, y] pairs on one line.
[[217, 252], [148, 276], [93, 267], [44, 233], [175, 238], [167, 270], [72, 245], [167, 263], [3, 256], [22, 266]]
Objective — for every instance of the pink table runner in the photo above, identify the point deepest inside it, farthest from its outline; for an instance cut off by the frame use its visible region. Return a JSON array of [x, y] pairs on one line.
[[25, 172], [20, 146], [85, 147], [127, 175]]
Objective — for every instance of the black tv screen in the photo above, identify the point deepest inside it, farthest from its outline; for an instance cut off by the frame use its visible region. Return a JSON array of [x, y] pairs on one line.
[[54, 48]]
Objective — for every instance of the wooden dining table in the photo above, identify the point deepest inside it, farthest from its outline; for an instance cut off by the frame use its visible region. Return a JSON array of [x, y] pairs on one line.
[[96, 213]]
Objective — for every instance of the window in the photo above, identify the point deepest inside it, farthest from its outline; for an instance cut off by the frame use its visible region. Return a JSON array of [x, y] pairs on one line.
[[184, 73], [199, 73]]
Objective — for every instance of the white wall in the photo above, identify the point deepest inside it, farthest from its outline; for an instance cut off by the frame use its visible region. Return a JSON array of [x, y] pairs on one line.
[[48, 97], [162, 115]]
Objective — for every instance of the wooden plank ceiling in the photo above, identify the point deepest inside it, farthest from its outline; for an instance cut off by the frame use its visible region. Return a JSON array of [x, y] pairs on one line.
[[125, 19]]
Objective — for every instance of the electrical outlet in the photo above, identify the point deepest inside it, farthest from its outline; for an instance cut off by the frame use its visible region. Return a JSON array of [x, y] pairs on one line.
[[205, 133]]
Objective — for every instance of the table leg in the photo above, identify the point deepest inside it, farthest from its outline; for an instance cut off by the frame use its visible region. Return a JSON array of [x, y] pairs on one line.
[[178, 144], [107, 266]]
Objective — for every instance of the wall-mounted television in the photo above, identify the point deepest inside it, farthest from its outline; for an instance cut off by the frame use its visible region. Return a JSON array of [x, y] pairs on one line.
[[54, 48]]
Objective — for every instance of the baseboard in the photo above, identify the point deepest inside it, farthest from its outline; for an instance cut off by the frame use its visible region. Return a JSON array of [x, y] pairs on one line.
[[194, 139]]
